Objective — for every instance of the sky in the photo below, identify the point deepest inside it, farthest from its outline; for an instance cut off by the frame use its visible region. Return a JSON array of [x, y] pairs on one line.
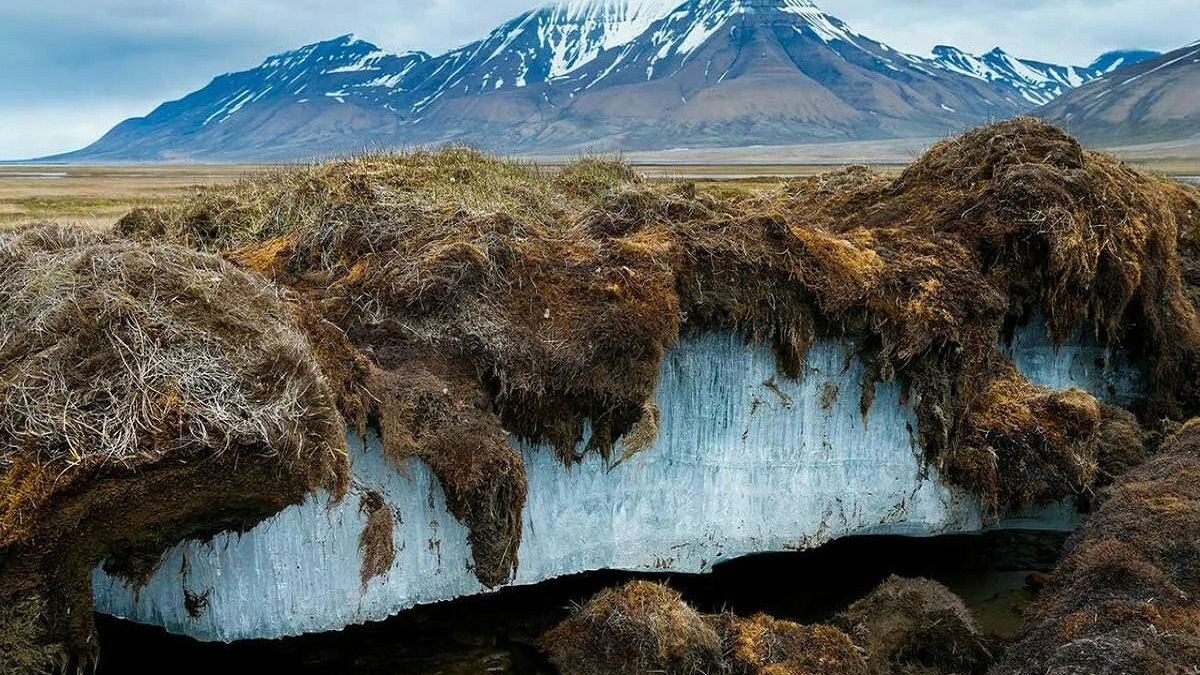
[[71, 69]]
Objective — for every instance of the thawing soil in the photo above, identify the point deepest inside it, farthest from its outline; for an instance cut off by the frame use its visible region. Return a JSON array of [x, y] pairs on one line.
[[450, 299]]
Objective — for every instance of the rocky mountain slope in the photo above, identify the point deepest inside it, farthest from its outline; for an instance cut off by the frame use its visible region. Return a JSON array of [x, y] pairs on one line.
[[1154, 101], [597, 74]]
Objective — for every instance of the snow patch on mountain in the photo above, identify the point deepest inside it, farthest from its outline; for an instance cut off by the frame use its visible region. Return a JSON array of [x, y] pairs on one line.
[[1110, 61], [580, 30], [1036, 82]]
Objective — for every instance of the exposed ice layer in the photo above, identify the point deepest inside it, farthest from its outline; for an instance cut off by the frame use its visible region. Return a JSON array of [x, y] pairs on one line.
[[745, 462], [1110, 376]]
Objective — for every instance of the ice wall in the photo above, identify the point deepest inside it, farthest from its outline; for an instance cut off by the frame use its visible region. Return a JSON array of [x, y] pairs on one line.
[[746, 462]]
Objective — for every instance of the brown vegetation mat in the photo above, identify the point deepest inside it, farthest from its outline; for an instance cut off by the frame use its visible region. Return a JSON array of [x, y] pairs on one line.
[[904, 627], [451, 298], [492, 296], [762, 645], [376, 544], [1127, 597], [636, 629], [916, 627], [147, 394]]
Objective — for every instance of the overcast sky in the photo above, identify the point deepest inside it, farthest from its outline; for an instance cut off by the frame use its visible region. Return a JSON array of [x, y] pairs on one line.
[[71, 69]]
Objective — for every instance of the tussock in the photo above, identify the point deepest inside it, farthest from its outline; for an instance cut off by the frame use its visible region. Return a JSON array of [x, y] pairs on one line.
[[762, 645], [133, 379], [1124, 600], [903, 627], [916, 627], [639, 628]]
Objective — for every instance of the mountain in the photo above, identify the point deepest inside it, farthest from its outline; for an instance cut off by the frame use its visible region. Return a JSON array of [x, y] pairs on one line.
[[335, 94], [1153, 101], [1037, 82], [596, 74]]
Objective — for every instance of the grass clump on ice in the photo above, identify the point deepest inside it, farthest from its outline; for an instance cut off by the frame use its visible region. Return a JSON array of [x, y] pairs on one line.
[[114, 356], [147, 393]]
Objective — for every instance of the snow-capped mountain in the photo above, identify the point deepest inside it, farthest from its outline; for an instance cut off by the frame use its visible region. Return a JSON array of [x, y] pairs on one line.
[[607, 74], [1038, 83]]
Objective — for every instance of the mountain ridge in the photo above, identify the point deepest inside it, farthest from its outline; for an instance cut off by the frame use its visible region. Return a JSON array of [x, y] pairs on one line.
[[1152, 101], [594, 74]]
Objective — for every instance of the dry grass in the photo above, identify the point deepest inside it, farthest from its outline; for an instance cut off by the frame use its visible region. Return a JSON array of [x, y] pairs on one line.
[[916, 627], [375, 544], [147, 393], [96, 197], [762, 645], [114, 355], [633, 630], [905, 627]]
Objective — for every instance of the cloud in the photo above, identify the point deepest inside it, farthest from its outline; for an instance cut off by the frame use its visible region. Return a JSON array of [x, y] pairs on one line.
[[38, 129], [71, 67], [1059, 31]]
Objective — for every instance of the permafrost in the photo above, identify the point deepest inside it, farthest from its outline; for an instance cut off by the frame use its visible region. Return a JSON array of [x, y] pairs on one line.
[[746, 462]]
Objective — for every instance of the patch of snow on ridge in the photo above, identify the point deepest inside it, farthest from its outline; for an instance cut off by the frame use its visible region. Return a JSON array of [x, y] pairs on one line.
[[366, 62], [233, 105], [577, 31], [1159, 67], [1036, 82], [829, 29]]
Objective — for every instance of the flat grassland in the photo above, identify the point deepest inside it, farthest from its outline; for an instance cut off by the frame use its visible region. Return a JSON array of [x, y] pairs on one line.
[[97, 196]]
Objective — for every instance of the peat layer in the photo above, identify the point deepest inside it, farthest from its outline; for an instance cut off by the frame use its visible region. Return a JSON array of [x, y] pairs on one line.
[[450, 298]]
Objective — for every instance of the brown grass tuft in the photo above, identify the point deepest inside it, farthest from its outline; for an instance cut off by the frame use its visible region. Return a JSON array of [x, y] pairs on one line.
[[916, 626], [375, 544], [762, 645], [636, 629]]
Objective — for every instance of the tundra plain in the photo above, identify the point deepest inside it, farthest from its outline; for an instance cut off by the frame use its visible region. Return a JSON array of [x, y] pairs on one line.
[[96, 196]]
